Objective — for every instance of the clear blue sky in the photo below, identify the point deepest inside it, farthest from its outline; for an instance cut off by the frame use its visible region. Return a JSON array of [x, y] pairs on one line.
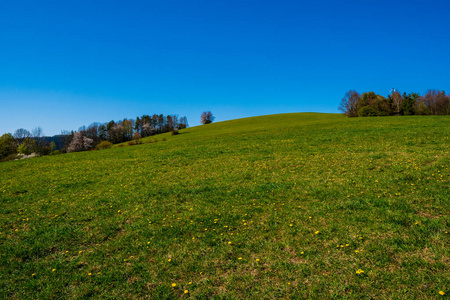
[[64, 64]]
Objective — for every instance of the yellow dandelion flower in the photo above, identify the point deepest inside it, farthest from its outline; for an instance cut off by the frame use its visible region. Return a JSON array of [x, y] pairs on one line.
[[359, 271], [239, 257], [169, 260], [174, 284], [186, 291], [441, 293], [257, 259], [89, 274], [317, 232], [291, 225], [302, 252], [229, 243], [53, 270]]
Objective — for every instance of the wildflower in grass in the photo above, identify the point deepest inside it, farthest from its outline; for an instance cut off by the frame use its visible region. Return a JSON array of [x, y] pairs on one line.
[[302, 252], [441, 293], [257, 259], [53, 270], [359, 271], [239, 257], [89, 274], [229, 243], [174, 284], [186, 291], [33, 274], [291, 225], [169, 260], [317, 232]]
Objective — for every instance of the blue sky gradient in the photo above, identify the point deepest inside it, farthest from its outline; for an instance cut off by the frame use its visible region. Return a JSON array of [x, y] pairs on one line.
[[64, 64]]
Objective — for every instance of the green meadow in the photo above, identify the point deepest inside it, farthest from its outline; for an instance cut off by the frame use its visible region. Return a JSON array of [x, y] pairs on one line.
[[298, 206]]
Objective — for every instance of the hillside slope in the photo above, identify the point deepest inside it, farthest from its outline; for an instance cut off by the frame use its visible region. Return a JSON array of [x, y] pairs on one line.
[[282, 206]]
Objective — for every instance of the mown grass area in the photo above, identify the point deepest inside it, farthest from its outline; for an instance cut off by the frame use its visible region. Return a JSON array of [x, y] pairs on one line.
[[312, 206]]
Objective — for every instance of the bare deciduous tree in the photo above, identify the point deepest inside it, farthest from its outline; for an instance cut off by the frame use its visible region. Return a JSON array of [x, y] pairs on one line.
[[38, 136], [349, 104], [397, 100], [21, 134], [207, 117]]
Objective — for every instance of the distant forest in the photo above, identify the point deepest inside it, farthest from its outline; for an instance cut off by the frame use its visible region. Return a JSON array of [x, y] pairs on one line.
[[95, 136], [434, 102]]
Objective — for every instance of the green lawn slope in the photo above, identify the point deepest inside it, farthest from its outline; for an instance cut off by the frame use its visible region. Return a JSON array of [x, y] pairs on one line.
[[312, 206]]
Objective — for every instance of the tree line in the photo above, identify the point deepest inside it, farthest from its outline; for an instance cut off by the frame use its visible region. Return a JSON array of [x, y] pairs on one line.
[[434, 102], [95, 136]]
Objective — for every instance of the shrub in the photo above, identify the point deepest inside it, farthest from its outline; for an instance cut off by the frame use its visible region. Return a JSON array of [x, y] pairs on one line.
[[27, 146], [10, 157], [56, 152], [137, 138], [422, 109], [104, 145], [175, 132], [8, 145], [367, 111]]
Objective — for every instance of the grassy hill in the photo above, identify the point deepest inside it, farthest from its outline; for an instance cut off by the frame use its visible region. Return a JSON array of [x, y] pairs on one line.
[[282, 206]]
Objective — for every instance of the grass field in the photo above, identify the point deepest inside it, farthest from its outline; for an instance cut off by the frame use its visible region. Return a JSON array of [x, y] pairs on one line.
[[300, 206]]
